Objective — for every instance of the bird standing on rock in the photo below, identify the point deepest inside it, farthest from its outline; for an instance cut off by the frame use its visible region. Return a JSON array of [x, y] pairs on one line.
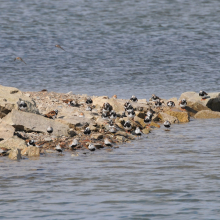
[[31, 143], [131, 114], [129, 108], [155, 98], [22, 105], [89, 101], [157, 104], [147, 119], [3, 151], [20, 59], [52, 114], [91, 147], [106, 108], [49, 130], [183, 104], [170, 104], [112, 127], [73, 144], [107, 142], [113, 115], [203, 94], [133, 98], [59, 148], [137, 131], [87, 131], [127, 126]]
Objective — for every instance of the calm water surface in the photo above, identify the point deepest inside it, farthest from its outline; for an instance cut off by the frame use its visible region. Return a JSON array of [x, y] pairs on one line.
[[121, 47], [169, 175]]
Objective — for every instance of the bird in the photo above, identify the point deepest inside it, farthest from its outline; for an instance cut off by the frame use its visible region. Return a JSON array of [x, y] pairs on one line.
[[49, 130], [113, 115], [52, 114], [147, 119], [155, 98], [20, 59], [112, 127], [131, 114], [114, 96], [105, 116], [126, 105], [58, 46], [203, 94], [137, 131], [183, 104], [127, 126], [22, 105], [91, 147], [158, 104], [170, 104], [87, 131], [89, 101], [3, 151], [133, 98], [31, 143], [59, 148], [150, 113], [129, 108], [167, 124], [73, 144], [106, 108], [107, 142], [70, 102], [81, 115], [89, 108]]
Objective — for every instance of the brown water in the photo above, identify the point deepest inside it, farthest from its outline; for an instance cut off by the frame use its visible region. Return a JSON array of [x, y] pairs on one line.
[[167, 175]]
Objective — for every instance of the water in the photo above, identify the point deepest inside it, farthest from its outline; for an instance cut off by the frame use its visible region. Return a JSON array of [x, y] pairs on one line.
[[135, 47], [121, 47], [169, 175]]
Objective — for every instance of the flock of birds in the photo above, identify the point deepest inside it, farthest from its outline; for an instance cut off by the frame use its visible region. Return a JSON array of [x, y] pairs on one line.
[[108, 114]]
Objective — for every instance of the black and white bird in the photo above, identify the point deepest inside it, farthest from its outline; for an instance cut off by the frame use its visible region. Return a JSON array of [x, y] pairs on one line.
[[112, 127], [167, 124], [22, 105], [155, 98], [106, 108], [89, 108], [91, 147], [49, 130], [127, 125], [58, 148], [158, 104], [87, 131], [150, 113], [137, 131], [31, 143], [113, 115], [129, 108], [3, 151], [89, 101], [107, 142], [126, 105], [73, 144], [170, 104], [203, 94], [147, 119], [131, 114], [133, 98], [183, 103], [105, 116]]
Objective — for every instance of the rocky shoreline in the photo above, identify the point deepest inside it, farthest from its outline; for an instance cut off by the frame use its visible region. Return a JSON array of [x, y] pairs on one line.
[[19, 126]]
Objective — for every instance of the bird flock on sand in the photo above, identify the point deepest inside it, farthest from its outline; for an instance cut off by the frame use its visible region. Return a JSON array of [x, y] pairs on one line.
[[109, 116]]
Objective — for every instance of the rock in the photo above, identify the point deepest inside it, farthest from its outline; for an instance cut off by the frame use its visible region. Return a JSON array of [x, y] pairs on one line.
[[195, 102], [146, 131], [75, 121], [121, 138], [13, 142], [15, 154], [139, 122], [25, 121], [6, 131], [207, 114], [97, 136], [180, 115], [165, 117], [9, 97], [126, 135], [140, 114], [92, 127], [153, 124], [31, 151]]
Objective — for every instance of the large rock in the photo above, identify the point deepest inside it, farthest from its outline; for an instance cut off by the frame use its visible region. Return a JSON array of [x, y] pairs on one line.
[[15, 154], [207, 114], [195, 102], [9, 96], [6, 131], [182, 116], [31, 151], [25, 121], [13, 142], [165, 117]]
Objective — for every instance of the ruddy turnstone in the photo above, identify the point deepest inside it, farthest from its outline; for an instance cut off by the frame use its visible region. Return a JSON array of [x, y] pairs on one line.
[[158, 104], [183, 104], [203, 94], [22, 105], [20, 59], [89, 108], [89, 101], [131, 114], [133, 98], [127, 125], [52, 114], [105, 116], [155, 98], [81, 115], [59, 149], [107, 142], [49, 130], [91, 147], [114, 96], [170, 104], [70, 102], [113, 115], [31, 143], [137, 131], [150, 113], [58, 46], [129, 108], [3, 151], [73, 144], [112, 127], [147, 119], [167, 124], [106, 108], [87, 131]]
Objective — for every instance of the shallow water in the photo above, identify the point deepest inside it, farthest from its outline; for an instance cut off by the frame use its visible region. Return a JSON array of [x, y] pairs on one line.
[[169, 175], [123, 47]]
